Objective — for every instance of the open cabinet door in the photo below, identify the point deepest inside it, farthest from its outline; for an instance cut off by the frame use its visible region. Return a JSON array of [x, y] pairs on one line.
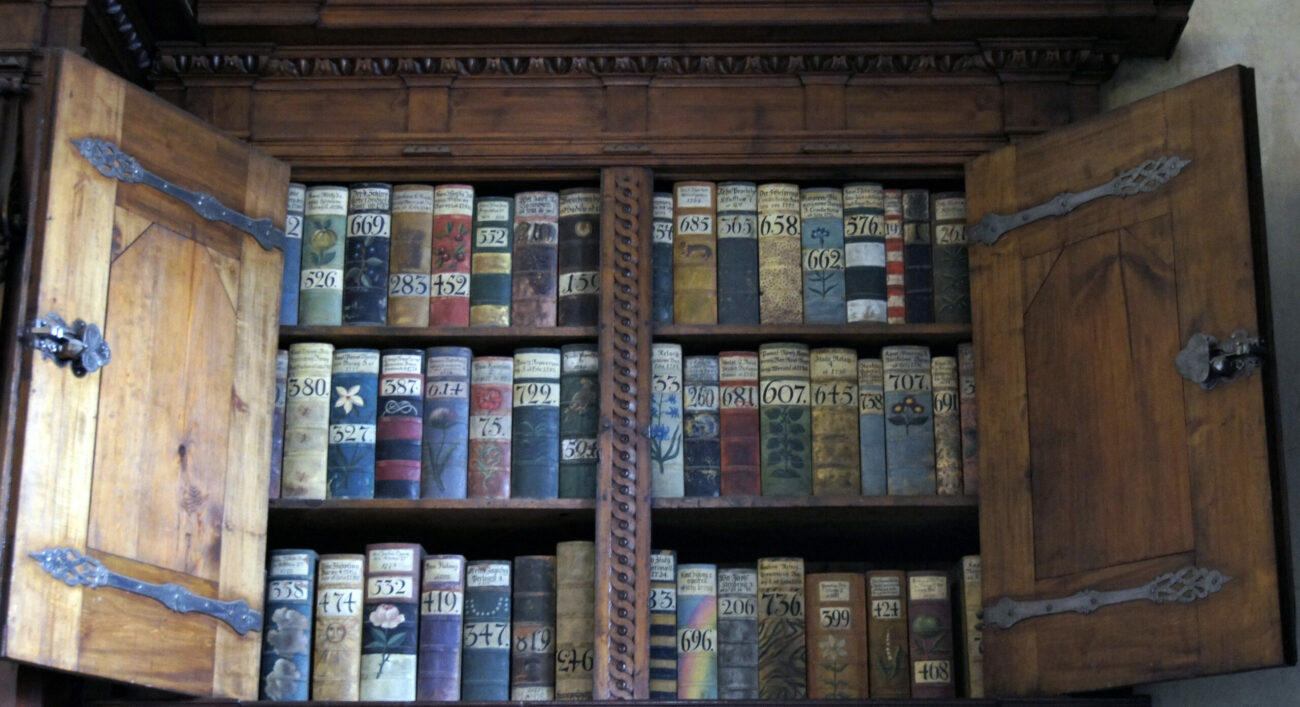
[[155, 465], [1127, 515]]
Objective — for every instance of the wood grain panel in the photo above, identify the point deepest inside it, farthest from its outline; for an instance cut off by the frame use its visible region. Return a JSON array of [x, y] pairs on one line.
[[325, 111], [771, 107], [924, 110], [483, 107]]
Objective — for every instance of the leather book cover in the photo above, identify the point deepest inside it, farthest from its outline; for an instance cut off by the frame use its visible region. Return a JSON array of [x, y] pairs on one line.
[[695, 256], [532, 654], [535, 448], [836, 469], [485, 658], [277, 421], [887, 647], [738, 415], [445, 448], [353, 416], [663, 625], [782, 651], [286, 632], [737, 253], [409, 261], [918, 257], [453, 216], [490, 268], [667, 472], [697, 632], [701, 450], [871, 426], [578, 261], [822, 213], [738, 633], [951, 258], [968, 401], [293, 217], [864, 252], [579, 417], [490, 403], [575, 619], [399, 432], [534, 266], [320, 276], [895, 277], [442, 612], [972, 626], [909, 420], [306, 421], [780, 255], [661, 259], [929, 610], [336, 664], [392, 615], [365, 254], [785, 419], [837, 636], [947, 426]]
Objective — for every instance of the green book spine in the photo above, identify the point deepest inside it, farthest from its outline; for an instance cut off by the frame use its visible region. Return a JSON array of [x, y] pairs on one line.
[[785, 419], [320, 286]]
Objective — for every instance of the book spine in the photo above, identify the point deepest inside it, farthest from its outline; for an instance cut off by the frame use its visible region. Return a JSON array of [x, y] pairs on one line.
[[929, 606], [667, 478], [836, 469], [489, 280], [738, 634], [822, 213], [392, 612], [491, 379], [445, 457], [697, 632], [286, 635], [453, 215], [951, 259], [336, 666], [536, 445], [909, 420], [972, 625], [967, 400], [485, 659], [409, 259], [887, 635], [533, 280], [442, 609], [306, 421], [701, 450], [365, 256], [785, 419], [320, 277], [277, 422], [837, 636], [737, 253], [575, 619], [780, 251], [293, 218], [864, 253], [532, 654], [661, 258], [578, 260], [695, 253], [782, 652], [871, 426], [399, 431], [895, 272], [918, 257], [579, 417], [663, 625], [738, 422], [947, 426], [351, 465]]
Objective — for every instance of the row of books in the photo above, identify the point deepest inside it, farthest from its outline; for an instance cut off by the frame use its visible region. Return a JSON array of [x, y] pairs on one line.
[[397, 624], [417, 255], [773, 632], [437, 423], [789, 420], [778, 254]]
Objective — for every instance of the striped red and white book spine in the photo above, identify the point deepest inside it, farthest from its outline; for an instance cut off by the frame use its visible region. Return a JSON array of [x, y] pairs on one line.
[[896, 311]]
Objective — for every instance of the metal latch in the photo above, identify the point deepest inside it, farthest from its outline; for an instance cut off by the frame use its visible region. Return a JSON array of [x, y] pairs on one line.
[[79, 344], [1206, 361]]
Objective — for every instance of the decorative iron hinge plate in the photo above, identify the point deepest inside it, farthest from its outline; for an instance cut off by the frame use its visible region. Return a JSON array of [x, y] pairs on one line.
[[1207, 362], [79, 344]]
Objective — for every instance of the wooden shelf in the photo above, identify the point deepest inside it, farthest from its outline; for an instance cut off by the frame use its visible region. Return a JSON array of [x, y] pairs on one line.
[[492, 337], [869, 334], [1131, 701]]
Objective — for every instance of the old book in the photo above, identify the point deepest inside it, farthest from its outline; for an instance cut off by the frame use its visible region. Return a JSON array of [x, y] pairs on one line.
[[532, 654], [864, 252], [578, 261], [292, 253], [409, 261], [951, 259], [782, 652], [445, 456], [822, 215], [320, 278], [972, 626], [392, 614], [889, 674], [871, 426], [835, 429], [918, 260], [579, 418], [663, 625], [947, 426], [442, 612], [895, 272], [666, 463], [967, 400], [738, 633], [785, 419], [353, 416], [780, 252], [929, 611], [277, 421], [697, 632], [336, 664], [909, 420], [738, 418], [701, 452], [837, 636], [661, 259], [575, 619], [365, 254], [453, 216], [490, 269], [737, 253], [399, 431], [306, 421], [286, 633], [490, 404], [695, 256], [533, 274], [535, 447], [485, 658]]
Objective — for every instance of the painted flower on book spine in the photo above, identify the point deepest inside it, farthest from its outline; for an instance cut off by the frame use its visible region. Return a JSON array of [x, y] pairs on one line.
[[382, 619]]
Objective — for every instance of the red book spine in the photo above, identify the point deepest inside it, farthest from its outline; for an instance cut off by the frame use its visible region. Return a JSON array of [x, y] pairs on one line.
[[453, 215], [738, 392], [490, 400], [895, 304]]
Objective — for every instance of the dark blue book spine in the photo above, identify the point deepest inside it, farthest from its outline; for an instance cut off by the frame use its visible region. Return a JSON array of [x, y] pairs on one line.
[[702, 451], [485, 659], [535, 449], [871, 426], [446, 422], [737, 253], [918, 257], [490, 261], [442, 609], [661, 257], [400, 427], [286, 634], [864, 253], [365, 254], [350, 461], [909, 420], [292, 254], [822, 212]]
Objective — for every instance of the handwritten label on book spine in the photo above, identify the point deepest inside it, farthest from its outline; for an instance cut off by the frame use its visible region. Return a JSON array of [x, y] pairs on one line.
[[366, 252], [836, 470], [822, 211], [532, 653], [491, 258], [951, 258], [306, 422], [909, 420], [578, 288], [579, 415], [666, 463], [399, 430], [701, 453], [485, 659], [336, 666], [320, 277], [697, 632], [391, 621], [871, 426], [661, 257], [537, 215], [575, 627], [353, 418], [782, 652], [446, 422], [738, 414], [409, 256], [663, 625], [930, 609], [442, 610], [536, 444], [837, 636], [864, 252], [785, 419], [887, 639], [695, 257], [453, 214], [947, 426], [737, 634], [780, 252], [293, 218], [490, 405], [286, 635], [738, 253]]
